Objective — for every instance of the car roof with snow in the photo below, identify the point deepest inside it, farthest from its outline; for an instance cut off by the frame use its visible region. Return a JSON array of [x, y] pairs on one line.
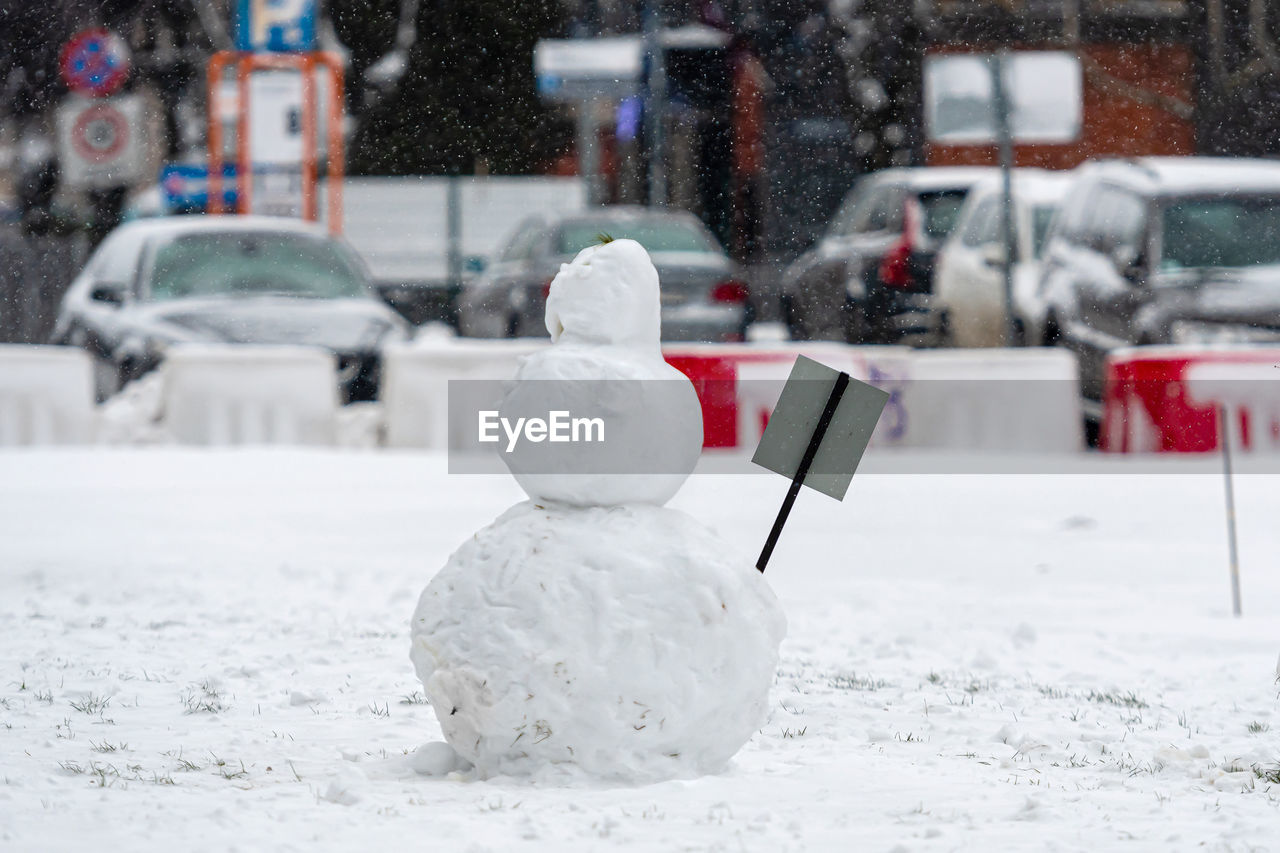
[[1165, 176], [117, 256], [169, 226], [933, 178], [1036, 186], [621, 213]]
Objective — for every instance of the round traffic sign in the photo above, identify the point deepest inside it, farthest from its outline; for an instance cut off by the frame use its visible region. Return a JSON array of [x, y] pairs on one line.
[[95, 62], [100, 133]]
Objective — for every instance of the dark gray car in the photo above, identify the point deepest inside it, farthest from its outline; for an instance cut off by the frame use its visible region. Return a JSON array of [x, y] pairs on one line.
[[869, 279], [703, 297], [225, 279], [1163, 250]]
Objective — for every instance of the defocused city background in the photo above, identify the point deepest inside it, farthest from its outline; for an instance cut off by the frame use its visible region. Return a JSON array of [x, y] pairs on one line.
[[799, 170]]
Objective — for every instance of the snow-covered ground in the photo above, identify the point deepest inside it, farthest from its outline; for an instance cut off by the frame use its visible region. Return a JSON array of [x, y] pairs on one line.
[[209, 650]]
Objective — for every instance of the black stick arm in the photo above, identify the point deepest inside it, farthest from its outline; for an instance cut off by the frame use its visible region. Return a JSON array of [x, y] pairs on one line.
[[815, 441]]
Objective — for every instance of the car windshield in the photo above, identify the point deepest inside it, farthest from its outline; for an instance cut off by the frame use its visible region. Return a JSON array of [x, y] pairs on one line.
[[233, 263], [654, 235], [1221, 232], [1041, 218], [941, 210]]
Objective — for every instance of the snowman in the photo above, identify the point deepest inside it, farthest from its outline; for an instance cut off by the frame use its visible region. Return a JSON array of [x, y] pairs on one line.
[[591, 632]]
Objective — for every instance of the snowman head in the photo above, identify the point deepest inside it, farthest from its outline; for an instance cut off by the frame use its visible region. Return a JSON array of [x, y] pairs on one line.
[[607, 295]]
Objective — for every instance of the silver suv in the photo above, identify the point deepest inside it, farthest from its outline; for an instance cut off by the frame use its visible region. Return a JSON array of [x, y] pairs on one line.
[[1161, 250]]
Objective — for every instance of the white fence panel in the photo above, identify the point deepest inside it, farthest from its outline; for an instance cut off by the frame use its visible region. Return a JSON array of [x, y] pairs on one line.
[[1016, 400], [415, 385], [46, 395], [227, 395]]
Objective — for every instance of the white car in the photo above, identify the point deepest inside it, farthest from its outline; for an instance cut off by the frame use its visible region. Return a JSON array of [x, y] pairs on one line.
[[969, 280]]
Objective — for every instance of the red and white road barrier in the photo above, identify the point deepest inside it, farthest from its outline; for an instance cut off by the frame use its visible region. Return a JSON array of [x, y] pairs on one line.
[[1007, 400], [1167, 399]]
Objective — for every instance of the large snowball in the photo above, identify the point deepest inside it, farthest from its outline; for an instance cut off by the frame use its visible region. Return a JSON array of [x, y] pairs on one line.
[[628, 643]]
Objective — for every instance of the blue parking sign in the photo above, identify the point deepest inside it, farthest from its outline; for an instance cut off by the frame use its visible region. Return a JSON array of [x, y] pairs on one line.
[[275, 25]]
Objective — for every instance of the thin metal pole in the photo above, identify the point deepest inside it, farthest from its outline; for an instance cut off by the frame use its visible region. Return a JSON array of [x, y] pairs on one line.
[[1004, 135], [1224, 433], [655, 104], [453, 212], [589, 150], [820, 430], [337, 154]]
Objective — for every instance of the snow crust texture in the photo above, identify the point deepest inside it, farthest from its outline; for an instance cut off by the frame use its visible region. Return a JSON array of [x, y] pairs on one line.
[[624, 643], [607, 296]]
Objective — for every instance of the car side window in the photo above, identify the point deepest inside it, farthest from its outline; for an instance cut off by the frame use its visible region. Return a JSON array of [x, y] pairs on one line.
[[982, 225], [852, 208], [116, 262], [523, 243], [884, 213], [1117, 223], [1070, 223]]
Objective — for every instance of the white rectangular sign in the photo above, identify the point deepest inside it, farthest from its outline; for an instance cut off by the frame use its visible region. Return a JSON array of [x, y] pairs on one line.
[[1044, 88], [275, 117], [103, 142]]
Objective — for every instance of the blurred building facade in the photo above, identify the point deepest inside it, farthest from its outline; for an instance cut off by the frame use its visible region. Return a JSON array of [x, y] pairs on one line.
[[765, 130]]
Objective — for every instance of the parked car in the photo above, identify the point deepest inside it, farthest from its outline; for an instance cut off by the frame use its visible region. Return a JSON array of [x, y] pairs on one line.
[[703, 297], [870, 276], [225, 279], [968, 285], [1163, 250]]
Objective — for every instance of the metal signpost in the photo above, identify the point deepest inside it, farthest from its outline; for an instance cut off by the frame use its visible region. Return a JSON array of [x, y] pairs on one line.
[[816, 435], [1004, 138], [275, 100]]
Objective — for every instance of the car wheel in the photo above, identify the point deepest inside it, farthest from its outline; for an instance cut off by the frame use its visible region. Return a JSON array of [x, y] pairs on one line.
[[1092, 433], [853, 321], [1019, 333], [1052, 334], [944, 336], [787, 304]]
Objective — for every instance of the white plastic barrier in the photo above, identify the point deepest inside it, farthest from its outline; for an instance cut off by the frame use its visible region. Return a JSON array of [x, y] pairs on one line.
[[46, 395], [222, 395], [1003, 400], [415, 384]]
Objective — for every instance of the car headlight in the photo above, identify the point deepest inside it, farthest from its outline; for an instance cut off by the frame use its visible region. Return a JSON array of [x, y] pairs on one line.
[[1197, 332]]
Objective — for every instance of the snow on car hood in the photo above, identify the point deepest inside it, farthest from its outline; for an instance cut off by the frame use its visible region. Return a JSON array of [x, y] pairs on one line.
[[1236, 295], [341, 325]]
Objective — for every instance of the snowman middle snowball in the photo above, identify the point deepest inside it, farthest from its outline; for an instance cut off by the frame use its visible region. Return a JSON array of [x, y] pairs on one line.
[[604, 316]]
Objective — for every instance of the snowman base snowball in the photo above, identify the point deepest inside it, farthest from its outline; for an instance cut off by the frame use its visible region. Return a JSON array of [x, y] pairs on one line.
[[626, 643]]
